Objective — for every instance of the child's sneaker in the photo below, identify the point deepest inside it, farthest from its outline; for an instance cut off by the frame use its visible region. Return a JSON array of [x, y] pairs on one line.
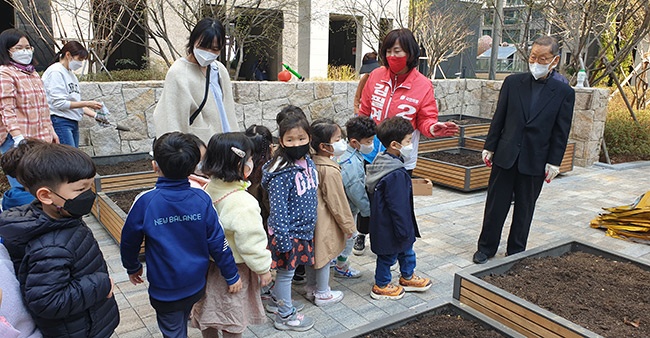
[[416, 283], [346, 271], [299, 277], [309, 292], [389, 291], [271, 305], [328, 297], [294, 322], [359, 245]]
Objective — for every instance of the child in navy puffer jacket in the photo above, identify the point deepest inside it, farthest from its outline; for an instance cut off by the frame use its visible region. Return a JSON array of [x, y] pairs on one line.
[[291, 180]]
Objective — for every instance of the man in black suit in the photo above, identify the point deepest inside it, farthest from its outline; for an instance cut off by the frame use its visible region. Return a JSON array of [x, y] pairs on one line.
[[525, 145]]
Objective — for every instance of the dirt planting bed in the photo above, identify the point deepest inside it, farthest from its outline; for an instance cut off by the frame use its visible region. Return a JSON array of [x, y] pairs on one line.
[[124, 199], [462, 157], [447, 325], [125, 167], [602, 295]]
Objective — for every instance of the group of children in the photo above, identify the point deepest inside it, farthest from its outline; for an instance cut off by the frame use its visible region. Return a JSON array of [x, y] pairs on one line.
[[210, 251]]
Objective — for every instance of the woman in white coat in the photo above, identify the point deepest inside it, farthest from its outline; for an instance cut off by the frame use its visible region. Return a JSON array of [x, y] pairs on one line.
[[197, 95]]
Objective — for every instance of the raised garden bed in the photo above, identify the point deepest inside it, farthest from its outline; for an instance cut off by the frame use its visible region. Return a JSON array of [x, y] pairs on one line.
[[111, 209], [468, 126], [439, 318], [582, 297], [124, 172], [459, 168]]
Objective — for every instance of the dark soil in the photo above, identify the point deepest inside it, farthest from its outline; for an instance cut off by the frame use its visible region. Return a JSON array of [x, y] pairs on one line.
[[605, 296], [614, 158], [448, 325], [464, 157], [125, 167], [124, 199]]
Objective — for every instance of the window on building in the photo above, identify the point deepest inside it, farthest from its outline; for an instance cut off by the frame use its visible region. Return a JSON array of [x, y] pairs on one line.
[[488, 17], [511, 35], [487, 32], [510, 17]]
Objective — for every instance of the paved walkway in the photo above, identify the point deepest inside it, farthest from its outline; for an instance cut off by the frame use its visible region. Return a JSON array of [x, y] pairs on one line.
[[450, 223]]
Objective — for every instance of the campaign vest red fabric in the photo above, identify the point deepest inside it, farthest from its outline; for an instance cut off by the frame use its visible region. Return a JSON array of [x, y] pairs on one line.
[[412, 99]]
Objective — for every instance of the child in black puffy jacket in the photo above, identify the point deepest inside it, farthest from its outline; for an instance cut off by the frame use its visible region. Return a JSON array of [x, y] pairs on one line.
[[63, 276]]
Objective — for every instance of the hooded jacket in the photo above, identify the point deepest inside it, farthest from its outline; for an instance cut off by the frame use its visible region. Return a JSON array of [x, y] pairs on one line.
[[293, 199], [62, 273], [335, 219], [182, 231], [354, 181], [393, 227]]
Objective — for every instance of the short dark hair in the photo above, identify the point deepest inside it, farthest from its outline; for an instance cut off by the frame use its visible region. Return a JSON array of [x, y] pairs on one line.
[[52, 164], [289, 111], [221, 161], [287, 124], [12, 157], [369, 56], [548, 41], [205, 32], [9, 38], [408, 43], [261, 139], [322, 131], [360, 127], [394, 129], [75, 49], [176, 154]]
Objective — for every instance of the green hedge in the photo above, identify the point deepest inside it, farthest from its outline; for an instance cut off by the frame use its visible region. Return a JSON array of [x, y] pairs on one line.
[[125, 75], [624, 137]]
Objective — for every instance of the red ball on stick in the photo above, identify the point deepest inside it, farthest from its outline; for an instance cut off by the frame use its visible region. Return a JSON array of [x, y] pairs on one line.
[[284, 76]]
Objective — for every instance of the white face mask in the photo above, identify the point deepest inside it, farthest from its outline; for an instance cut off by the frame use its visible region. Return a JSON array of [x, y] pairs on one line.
[[366, 148], [539, 71], [203, 57], [406, 151], [75, 65], [339, 147], [24, 57]]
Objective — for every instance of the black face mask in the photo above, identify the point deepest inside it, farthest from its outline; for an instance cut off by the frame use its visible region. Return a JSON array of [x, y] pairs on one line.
[[79, 206], [297, 152]]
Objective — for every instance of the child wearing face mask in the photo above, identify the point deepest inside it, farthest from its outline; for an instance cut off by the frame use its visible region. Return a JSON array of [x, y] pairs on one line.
[[229, 163], [393, 227], [291, 179], [361, 132], [64, 97], [63, 277], [182, 232], [334, 223]]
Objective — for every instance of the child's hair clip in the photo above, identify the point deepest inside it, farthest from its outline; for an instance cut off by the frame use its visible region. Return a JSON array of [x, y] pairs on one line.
[[238, 152]]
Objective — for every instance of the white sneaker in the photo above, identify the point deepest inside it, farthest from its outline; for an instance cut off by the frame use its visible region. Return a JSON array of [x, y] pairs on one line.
[[309, 292], [327, 297]]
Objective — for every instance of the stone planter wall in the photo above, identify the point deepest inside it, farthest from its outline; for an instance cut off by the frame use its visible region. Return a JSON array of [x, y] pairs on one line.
[[132, 105]]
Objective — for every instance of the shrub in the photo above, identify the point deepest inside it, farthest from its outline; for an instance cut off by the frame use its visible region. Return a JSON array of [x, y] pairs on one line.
[[341, 73], [625, 139], [125, 75]]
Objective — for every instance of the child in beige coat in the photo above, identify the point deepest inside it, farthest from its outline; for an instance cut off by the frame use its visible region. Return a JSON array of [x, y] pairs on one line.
[[334, 219]]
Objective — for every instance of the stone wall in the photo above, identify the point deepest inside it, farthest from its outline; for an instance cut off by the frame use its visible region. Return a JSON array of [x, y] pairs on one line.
[[132, 104]]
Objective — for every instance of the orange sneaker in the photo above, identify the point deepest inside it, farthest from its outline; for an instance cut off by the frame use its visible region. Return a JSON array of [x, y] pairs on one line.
[[416, 283], [389, 291]]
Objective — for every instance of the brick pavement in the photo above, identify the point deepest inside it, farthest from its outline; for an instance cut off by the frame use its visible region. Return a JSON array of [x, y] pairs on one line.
[[450, 223]]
